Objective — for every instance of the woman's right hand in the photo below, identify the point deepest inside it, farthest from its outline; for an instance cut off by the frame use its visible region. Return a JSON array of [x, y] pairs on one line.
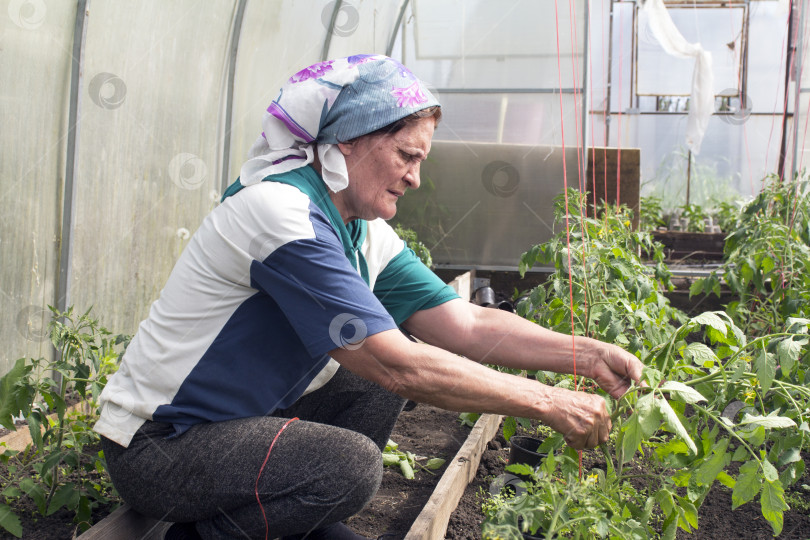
[[582, 418]]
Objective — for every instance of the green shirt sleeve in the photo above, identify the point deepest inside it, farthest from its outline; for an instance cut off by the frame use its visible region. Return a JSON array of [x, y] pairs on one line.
[[406, 286]]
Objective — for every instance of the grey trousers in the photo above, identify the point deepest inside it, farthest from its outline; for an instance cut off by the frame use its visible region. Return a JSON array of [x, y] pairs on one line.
[[323, 468]]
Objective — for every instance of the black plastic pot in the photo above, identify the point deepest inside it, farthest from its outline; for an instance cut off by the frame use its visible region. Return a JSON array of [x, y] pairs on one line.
[[485, 296], [524, 450]]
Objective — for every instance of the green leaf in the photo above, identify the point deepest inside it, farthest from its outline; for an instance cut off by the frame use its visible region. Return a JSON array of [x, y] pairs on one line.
[[509, 427], [435, 463], [649, 417], [765, 368], [773, 504], [696, 287], [684, 393], [66, 495], [674, 423], [519, 468], [725, 479], [13, 396], [405, 467], [771, 421], [740, 453], [688, 514], [631, 437], [614, 330], [748, 484], [792, 472], [9, 521], [699, 354], [468, 419], [34, 491], [35, 430], [390, 446], [711, 467], [788, 351], [769, 471], [711, 319], [389, 460]]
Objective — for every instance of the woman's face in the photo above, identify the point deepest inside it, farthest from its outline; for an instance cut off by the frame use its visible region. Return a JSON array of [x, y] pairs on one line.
[[381, 168]]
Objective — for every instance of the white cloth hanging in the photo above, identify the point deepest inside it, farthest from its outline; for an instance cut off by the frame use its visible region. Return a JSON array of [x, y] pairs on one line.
[[701, 101]]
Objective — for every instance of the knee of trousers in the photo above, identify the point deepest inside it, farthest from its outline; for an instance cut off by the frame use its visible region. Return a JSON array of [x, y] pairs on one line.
[[361, 473]]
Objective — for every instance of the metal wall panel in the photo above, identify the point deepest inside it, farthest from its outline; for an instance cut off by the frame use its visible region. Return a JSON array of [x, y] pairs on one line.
[[483, 204], [35, 45], [148, 147]]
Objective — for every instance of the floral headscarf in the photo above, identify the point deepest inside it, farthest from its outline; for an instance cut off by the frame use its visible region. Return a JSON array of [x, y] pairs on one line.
[[330, 102]]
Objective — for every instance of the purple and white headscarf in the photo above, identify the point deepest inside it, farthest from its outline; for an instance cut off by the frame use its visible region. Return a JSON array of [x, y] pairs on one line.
[[330, 102]]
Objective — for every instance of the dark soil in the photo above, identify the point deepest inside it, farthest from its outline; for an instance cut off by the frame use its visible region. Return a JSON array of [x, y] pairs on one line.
[[716, 520], [57, 526], [424, 431]]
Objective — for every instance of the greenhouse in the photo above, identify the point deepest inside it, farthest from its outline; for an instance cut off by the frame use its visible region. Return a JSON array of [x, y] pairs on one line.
[[447, 269]]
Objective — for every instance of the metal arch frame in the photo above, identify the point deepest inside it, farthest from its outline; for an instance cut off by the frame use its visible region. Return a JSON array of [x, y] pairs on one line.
[[798, 92], [62, 293], [390, 48], [236, 32], [327, 41]]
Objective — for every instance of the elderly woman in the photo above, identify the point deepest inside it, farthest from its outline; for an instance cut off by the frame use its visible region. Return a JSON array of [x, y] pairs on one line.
[[256, 397]]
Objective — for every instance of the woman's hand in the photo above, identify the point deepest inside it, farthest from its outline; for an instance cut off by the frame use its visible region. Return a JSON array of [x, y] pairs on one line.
[[582, 418], [614, 369]]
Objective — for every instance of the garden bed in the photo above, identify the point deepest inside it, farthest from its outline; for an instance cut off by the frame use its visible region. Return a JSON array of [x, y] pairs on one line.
[[716, 519]]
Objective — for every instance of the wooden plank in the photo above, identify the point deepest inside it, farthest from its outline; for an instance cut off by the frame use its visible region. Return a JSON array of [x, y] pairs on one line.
[[126, 524], [431, 524], [463, 285], [607, 159]]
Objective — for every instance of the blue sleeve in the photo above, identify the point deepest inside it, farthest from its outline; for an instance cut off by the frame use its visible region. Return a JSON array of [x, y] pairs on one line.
[[406, 286], [322, 296]]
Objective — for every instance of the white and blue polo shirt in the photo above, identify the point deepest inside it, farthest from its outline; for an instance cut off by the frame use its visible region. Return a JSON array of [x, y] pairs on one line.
[[269, 284]]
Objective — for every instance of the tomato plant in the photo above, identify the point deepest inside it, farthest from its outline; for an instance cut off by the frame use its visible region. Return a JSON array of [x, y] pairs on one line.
[[688, 442], [767, 258], [617, 296], [715, 405], [61, 467]]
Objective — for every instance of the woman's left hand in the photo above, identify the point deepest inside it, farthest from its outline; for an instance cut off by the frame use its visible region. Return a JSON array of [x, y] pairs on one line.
[[614, 369]]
